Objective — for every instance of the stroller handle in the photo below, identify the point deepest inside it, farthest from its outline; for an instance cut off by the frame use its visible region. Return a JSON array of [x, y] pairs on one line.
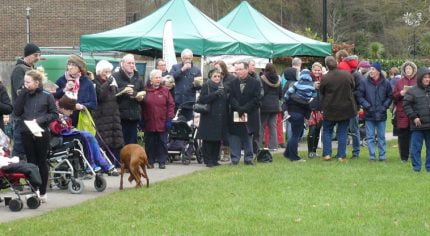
[[185, 103]]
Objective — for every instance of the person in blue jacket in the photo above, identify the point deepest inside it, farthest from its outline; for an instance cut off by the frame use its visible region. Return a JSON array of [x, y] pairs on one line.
[[185, 83], [76, 84], [375, 96]]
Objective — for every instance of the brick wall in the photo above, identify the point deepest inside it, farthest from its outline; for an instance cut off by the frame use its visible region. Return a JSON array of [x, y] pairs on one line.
[[56, 23]]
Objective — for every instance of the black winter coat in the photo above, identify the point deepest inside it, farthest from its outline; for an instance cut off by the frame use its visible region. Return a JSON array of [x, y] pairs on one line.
[[129, 107], [416, 104], [212, 126], [246, 102], [39, 105], [106, 116], [272, 94], [5, 105]]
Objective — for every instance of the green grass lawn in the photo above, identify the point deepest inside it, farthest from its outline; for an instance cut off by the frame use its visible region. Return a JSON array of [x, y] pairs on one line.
[[312, 198]]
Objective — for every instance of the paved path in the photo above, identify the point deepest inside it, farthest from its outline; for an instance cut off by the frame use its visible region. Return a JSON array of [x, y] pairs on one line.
[[62, 198]]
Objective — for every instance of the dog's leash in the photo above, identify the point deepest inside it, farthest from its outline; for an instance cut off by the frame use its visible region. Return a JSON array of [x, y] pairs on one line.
[[102, 141]]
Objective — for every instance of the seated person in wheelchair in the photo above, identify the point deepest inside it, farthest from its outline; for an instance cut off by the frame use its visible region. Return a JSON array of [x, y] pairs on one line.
[[63, 126]]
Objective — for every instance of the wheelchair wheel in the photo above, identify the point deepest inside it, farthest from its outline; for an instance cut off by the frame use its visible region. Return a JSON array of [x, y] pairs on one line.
[[186, 160], [100, 183], [16, 205], [33, 202], [76, 186], [170, 158], [60, 181], [199, 155]]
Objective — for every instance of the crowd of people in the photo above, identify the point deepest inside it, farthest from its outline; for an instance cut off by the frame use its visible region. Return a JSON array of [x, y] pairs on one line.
[[246, 110]]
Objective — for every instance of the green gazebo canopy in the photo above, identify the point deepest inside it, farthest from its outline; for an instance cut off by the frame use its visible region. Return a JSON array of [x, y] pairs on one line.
[[191, 29], [244, 19]]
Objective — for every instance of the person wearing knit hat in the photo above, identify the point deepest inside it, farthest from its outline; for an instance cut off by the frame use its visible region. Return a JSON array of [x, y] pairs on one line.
[[363, 67], [304, 88], [30, 49], [377, 66], [375, 96], [297, 99], [24, 64]]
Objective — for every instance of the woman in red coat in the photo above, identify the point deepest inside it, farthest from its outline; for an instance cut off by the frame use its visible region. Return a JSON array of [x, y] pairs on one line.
[[157, 114], [409, 79]]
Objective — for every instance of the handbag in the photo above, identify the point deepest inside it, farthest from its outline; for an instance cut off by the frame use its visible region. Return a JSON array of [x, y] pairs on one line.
[[86, 122], [316, 118], [264, 156], [202, 108]]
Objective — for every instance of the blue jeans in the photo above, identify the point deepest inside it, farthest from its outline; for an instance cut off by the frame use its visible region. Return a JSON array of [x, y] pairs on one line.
[[236, 143], [355, 131], [417, 143], [379, 127], [327, 135], [296, 120]]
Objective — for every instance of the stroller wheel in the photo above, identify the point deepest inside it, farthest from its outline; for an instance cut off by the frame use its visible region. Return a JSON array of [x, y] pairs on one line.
[[100, 183], [33, 202], [15, 204], [76, 186]]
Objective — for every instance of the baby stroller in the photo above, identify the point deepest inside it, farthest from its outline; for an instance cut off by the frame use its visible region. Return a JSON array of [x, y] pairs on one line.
[[22, 179], [362, 129], [182, 144], [68, 164]]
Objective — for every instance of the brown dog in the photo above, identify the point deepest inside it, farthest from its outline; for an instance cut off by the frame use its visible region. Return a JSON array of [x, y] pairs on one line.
[[134, 159]]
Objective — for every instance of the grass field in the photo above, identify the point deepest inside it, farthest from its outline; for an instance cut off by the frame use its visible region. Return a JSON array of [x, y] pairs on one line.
[[312, 198]]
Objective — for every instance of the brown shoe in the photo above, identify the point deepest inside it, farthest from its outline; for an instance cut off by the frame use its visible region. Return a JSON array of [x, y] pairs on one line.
[[326, 158], [342, 159]]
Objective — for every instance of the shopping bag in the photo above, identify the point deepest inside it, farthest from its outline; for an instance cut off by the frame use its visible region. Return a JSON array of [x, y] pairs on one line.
[[86, 122]]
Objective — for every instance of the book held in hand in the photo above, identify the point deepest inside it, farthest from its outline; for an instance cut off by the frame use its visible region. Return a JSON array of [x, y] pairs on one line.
[[237, 118]]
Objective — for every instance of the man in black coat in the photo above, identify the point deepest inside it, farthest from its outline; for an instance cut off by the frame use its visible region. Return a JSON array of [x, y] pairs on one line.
[[31, 56], [129, 84], [244, 102]]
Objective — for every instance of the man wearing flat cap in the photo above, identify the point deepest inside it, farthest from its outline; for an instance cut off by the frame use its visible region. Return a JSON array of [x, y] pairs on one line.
[[23, 64]]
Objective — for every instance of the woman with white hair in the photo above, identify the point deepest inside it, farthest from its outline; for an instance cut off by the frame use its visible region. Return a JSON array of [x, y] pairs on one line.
[[157, 114], [106, 116]]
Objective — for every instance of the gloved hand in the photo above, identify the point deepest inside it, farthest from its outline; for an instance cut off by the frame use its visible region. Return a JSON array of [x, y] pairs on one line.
[[168, 124], [220, 92]]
